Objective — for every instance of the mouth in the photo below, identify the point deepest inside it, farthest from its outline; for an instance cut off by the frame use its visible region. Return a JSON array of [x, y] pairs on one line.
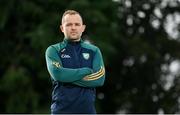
[[73, 32]]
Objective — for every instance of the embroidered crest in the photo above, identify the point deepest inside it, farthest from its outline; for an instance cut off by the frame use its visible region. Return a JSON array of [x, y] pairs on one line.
[[86, 56]]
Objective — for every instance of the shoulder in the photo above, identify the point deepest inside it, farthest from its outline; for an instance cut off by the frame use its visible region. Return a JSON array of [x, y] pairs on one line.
[[89, 46], [55, 47]]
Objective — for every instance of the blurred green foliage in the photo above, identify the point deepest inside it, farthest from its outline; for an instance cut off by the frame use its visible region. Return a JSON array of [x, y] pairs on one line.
[[134, 52]]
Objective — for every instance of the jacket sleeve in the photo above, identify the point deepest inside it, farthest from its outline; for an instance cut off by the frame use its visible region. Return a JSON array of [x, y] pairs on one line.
[[97, 78], [59, 73]]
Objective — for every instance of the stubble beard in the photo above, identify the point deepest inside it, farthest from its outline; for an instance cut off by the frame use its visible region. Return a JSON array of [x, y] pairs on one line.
[[74, 38]]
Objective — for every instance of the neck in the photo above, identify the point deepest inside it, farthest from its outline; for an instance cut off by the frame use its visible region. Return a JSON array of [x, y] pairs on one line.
[[76, 40], [73, 40]]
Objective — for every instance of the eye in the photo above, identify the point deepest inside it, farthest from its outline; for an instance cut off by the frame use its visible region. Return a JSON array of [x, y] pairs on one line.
[[77, 24], [69, 24]]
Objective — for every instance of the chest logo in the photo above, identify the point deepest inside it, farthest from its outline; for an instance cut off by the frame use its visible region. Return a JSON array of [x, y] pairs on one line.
[[63, 50], [65, 56], [86, 55]]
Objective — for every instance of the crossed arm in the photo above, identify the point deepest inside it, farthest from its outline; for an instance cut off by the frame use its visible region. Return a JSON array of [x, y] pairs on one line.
[[84, 77]]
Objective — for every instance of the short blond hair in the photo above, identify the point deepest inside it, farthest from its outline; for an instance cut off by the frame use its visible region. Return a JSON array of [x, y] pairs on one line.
[[70, 12]]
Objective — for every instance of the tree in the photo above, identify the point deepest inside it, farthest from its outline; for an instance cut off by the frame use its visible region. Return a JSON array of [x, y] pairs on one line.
[[136, 85], [136, 45]]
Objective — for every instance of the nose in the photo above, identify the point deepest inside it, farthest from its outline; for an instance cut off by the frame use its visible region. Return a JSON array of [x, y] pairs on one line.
[[73, 26]]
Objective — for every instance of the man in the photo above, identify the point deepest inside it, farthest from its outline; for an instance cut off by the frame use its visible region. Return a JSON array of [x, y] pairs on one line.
[[76, 69]]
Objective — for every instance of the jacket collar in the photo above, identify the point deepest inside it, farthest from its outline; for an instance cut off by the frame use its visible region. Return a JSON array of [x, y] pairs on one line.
[[67, 41]]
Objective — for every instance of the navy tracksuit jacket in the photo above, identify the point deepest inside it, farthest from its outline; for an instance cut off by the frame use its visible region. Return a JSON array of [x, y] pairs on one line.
[[76, 69]]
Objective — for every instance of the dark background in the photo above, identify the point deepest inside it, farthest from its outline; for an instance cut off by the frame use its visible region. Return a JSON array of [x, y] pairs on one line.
[[139, 40]]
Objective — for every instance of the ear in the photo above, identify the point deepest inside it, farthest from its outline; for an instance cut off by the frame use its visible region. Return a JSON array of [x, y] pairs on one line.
[[83, 27], [61, 28]]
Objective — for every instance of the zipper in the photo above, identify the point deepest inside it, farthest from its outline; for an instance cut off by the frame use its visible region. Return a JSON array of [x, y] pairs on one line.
[[77, 63]]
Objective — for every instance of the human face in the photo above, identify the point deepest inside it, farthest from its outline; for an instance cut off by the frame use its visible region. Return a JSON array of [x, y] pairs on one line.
[[72, 27]]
